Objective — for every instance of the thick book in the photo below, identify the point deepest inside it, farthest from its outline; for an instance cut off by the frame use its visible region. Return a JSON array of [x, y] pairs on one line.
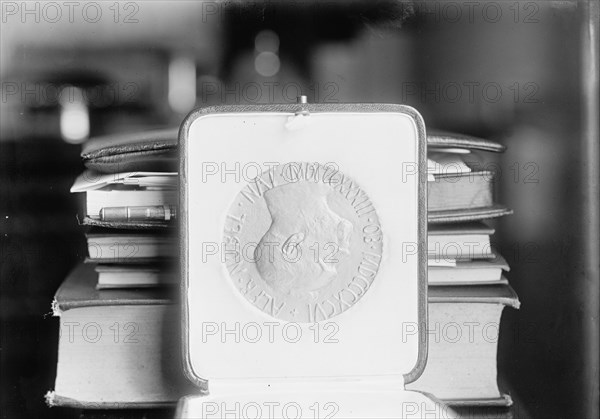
[[463, 330], [459, 187], [118, 348]]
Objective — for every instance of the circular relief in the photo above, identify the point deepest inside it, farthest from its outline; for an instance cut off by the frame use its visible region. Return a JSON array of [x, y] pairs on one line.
[[302, 242]]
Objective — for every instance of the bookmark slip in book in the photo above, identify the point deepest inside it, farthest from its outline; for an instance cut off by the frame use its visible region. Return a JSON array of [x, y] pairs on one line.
[[91, 181], [445, 163]]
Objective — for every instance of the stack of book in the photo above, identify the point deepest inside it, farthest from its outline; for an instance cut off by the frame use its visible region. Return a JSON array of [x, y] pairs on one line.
[[130, 246], [119, 343], [468, 289], [120, 326]]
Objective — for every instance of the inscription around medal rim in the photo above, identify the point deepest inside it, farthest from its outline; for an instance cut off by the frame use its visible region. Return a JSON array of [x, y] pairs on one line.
[[302, 242]]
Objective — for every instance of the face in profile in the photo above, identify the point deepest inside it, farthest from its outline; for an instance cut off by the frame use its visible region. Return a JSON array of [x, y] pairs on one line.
[[306, 241]]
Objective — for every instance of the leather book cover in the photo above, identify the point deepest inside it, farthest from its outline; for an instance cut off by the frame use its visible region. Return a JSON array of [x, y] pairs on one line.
[[154, 150], [442, 139], [158, 149]]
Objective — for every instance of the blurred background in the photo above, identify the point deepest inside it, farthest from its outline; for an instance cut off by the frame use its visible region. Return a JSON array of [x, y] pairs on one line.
[[517, 72]]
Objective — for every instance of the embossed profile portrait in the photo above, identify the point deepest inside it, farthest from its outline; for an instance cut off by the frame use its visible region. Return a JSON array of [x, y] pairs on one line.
[[303, 248], [306, 240]]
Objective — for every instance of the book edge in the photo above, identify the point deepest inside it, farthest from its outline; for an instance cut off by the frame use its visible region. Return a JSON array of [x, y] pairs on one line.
[[511, 301], [503, 401], [55, 400]]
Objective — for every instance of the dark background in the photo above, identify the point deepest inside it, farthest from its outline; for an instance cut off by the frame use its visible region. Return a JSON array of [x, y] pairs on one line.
[[515, 72]]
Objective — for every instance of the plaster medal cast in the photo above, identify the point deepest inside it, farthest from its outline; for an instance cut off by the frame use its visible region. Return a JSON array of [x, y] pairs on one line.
[[302, 242]]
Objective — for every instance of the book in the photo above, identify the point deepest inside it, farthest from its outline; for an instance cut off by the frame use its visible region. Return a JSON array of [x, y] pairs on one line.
[[463, 329], [133, 276], [157, 149], [129, 246], [117, 348], [153, 150], [454, 195], [470, 214], [459, 241], [455, 191], [484, 409], [459, 189], [443, 140], [126, 189], [483, 271], [97, 200]]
